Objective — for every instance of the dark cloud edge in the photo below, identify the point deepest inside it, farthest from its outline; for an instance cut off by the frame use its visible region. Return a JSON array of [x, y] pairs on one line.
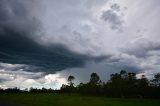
[[18, 48]]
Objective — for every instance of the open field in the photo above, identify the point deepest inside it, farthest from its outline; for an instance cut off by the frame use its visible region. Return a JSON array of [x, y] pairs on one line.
[[71, 100]]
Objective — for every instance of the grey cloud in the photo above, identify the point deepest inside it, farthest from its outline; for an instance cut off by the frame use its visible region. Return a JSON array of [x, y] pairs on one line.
[[44, 21], [115, 7], [18, 40], [142, 48], [12, 67], [18, 49], [104, 68], [18, 69], [126, 62], [23, 79], [11, 74], [17, 15], [113, 19], [83, 74], [145, 53], [92, 3], [20, 44]]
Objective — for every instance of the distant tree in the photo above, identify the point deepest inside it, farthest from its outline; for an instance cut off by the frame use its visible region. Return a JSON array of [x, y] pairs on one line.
[[142, 86], [121, 84], [95, 79], [64, 88], [156, 85], [123, 72], [70, 80], [68, 88], [132, 76], [157, 79], [143, 82]]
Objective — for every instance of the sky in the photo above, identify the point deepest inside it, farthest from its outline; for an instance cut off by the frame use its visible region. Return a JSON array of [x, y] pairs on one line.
[[42, 42]]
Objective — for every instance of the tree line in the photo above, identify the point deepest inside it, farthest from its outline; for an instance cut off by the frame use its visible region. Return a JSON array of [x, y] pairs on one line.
[[120, 85]]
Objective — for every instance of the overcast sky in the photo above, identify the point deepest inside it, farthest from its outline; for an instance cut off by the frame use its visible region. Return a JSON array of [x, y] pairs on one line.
[[42, 42]]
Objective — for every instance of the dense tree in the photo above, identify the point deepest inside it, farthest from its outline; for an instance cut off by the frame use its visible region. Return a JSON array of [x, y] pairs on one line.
[[121, 84]]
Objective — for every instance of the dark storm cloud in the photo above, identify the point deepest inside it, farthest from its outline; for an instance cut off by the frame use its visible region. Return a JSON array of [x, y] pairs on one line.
[[17, 15], [18, 49], [18, 29]]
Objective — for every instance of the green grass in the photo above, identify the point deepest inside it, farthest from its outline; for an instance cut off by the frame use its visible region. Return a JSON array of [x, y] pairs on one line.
[[72, 100]]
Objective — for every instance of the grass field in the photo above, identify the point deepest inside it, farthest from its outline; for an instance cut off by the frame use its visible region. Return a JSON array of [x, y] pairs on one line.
[[72, 100]]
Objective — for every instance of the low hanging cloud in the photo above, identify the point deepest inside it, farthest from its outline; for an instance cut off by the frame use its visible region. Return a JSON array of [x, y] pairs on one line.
[[10, 78]]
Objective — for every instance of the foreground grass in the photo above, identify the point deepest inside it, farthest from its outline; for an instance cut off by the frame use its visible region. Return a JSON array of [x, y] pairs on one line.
[[72, 100]]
